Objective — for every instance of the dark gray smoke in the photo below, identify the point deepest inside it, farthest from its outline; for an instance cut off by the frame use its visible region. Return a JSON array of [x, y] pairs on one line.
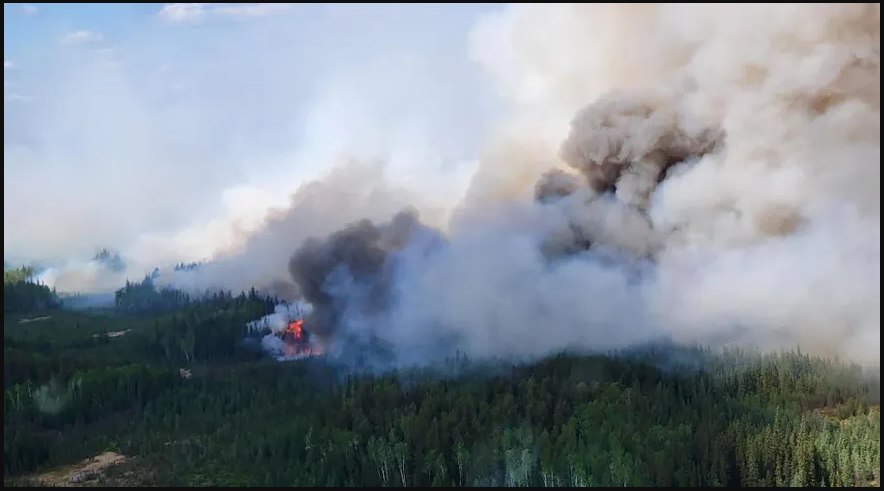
[[349, 274], [622, 152]]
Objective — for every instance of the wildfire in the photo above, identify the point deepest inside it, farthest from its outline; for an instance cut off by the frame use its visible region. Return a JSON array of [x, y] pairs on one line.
[[296, 329], [297, 344], [296, 350]]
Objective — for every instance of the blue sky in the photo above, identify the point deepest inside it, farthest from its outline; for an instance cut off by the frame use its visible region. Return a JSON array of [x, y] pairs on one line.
[[123, 121]]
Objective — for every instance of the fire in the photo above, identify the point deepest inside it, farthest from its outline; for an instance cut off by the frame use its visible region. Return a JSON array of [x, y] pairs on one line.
[[299, 350], [296, 329], [297, 344]]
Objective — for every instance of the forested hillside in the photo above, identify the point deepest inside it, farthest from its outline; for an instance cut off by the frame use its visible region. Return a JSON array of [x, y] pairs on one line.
[[77, 384]]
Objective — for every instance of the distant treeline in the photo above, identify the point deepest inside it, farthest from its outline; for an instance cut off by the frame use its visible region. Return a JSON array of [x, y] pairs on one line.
[[188, 266], [22, 293], [111, 260], [146, 297]]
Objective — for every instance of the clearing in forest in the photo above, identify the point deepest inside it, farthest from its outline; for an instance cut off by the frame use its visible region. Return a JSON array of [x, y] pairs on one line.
[[81, 474]]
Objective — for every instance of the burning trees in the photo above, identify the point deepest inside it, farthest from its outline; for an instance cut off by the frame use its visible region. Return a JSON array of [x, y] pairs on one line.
[[296, 340], [283, 333]]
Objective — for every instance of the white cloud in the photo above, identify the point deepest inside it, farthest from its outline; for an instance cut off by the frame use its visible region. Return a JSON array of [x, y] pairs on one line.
[[182, 12], [81, 37], [189, 12], [29, 9], [251, 9], [7, 64]]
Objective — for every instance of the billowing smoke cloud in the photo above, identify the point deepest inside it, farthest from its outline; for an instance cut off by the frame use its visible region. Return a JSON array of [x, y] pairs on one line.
[[171, 143], [697, 173], [352, 191], [349, 276], [276, 322], [104, 273], [718, 183]]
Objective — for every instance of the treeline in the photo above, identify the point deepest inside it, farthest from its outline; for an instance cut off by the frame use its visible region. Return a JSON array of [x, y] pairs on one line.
[[181, 392], [113, 261], [22, 293], [209, 331], [18, 275], [145, 297], [188, 266]]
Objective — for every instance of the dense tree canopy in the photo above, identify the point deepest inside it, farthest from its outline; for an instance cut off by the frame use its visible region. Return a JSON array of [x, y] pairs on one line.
[[78, 383]]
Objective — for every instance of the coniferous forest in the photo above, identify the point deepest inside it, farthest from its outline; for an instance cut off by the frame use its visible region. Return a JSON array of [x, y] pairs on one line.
[[165, 381]]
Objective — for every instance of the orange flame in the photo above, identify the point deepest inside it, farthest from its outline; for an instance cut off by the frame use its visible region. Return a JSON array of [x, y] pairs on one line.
[[297, 346], [296, 329]]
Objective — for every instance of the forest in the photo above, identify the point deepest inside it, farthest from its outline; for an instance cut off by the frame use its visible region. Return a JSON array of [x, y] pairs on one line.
[[167, 381]]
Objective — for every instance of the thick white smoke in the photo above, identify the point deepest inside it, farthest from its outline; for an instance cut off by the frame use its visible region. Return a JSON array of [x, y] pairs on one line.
[[82, 277], [279, 320], [723, 188], [701, 173], [351, 191]]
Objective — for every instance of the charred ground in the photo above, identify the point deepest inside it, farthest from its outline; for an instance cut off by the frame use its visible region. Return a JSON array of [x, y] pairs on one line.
[[179, 400]]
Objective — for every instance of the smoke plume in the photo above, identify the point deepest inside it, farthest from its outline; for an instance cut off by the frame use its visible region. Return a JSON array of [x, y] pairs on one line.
[[693, 173], [718, 183], [173, 143]]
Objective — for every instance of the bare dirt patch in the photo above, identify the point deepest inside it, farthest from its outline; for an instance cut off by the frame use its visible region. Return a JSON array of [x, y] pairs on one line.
[[81, 474], [113, 334]]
